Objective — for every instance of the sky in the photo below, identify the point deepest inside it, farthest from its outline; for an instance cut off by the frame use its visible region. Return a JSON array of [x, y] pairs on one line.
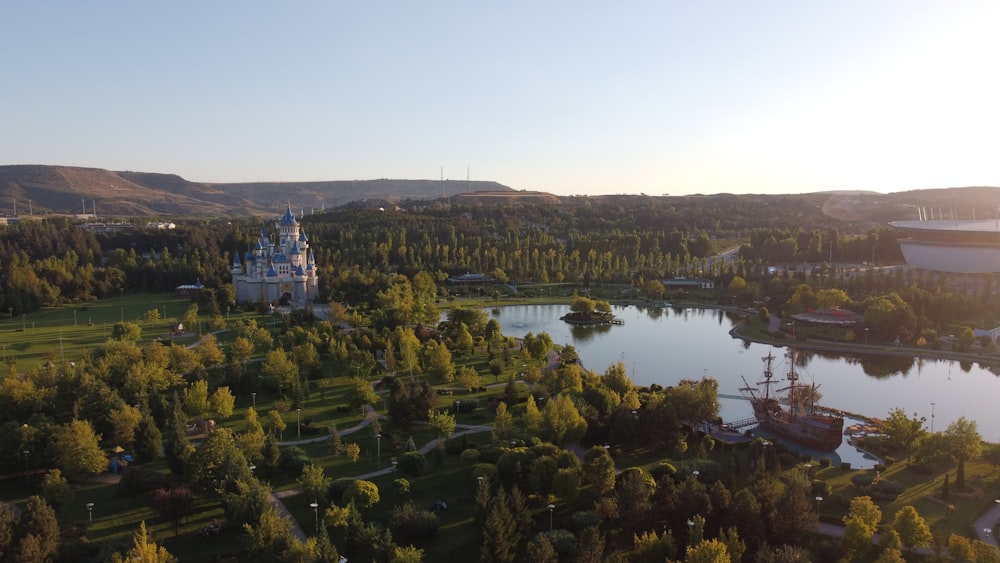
[[572, 98]]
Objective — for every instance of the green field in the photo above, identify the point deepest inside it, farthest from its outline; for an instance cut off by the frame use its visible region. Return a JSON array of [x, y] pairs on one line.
[[67, 333]]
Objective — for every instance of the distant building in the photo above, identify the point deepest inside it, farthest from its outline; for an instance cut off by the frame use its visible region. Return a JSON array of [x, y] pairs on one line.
[[279, 270], [960, 246], [688, 283], [188, 289], [830, 317], [470, 279]]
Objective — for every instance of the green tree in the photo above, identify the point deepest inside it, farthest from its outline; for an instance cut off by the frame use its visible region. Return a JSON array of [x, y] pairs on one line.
[[144, 550], [76, 450], [860, 524], [443, 423], [911, 527], [561, 421], [209, 351], [467, 378], [38, 533], [314, 482], [124, 419], [408, 554], [963, 439], [55, 488], [503, 423], [271, 539], [282, 369], [176, 446], [598, 469], [222, 402], [131, 332], [500, 536], [707, 551], [364, 494], [336, 443], [409, 346], [360, 393], [196, 398], [903, 431], [218, 463], [439, 359], [532, 418], [148, 439], [242, 351], [617, 380], [277, 423]]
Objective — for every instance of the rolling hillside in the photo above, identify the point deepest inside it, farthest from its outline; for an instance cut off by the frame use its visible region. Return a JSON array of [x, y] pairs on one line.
[[68, 190]]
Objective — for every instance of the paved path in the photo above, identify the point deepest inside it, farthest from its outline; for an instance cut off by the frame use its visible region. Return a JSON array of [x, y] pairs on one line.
[[276, 497], [985, 523]]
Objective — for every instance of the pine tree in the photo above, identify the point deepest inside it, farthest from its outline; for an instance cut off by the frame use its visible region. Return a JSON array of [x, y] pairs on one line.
[[336, 444], [960, 475], [176, 447], [500, 533], [148, 440]]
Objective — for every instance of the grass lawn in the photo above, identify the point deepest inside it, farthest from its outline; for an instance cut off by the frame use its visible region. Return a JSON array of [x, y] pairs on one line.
[[67, 332], [983, 487]]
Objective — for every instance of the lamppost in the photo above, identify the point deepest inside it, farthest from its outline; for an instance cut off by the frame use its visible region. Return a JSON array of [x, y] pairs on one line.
[[458, 410], [315, 507], [254, 397], [551, 507], [26, 454], [932, 417], [695, 474], [90, 512], [866, 337], [819, 503], [298, 423], [378, 443], [252, 467]]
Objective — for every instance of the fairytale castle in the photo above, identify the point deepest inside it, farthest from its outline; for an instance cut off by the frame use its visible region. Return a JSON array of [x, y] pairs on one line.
[[277, 271]]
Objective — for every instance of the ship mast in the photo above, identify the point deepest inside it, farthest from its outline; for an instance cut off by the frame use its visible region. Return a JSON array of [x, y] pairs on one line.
[[792, 377]]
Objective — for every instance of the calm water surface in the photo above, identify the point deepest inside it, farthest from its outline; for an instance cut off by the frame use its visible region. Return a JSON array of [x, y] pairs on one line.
[[666, 345]]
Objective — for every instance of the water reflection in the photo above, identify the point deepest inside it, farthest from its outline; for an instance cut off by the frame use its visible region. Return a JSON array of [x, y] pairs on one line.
[[664, 345]]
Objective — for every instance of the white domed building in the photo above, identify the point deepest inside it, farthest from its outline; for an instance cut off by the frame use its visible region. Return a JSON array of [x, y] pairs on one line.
[[280, 270]]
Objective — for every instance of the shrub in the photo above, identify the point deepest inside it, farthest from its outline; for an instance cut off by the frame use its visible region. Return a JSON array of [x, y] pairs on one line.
[[879, 467], [293, 459], [412, 463], [821, 488], [487, 471], [661, 469], [845, 465], [338, 486], [409, 522], [824, 462], [470, 455], [563, 541], [787, 461], [585, 519]]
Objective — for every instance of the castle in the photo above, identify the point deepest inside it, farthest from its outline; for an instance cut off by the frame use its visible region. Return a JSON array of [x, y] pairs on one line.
[[277, 271]]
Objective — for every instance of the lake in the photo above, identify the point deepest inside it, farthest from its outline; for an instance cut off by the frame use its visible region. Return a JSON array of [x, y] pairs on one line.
[[665, 345]]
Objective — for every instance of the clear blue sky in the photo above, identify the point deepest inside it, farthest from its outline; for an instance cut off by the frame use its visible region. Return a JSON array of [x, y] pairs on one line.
[[567, 97]]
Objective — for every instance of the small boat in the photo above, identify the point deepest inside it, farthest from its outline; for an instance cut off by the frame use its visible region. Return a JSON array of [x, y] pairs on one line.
[[798, 420]]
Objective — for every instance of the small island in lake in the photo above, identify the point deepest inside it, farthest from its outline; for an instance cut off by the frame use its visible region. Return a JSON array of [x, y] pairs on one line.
[[587, 311]]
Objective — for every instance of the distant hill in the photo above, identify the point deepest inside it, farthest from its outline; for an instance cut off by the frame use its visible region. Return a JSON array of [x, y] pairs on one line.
[[73, 190]]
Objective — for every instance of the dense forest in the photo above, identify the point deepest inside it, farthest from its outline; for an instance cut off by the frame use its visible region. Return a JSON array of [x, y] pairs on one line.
[[629, 239]]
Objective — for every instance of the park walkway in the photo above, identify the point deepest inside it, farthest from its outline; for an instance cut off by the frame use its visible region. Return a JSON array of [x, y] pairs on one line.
[[371, 415]]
